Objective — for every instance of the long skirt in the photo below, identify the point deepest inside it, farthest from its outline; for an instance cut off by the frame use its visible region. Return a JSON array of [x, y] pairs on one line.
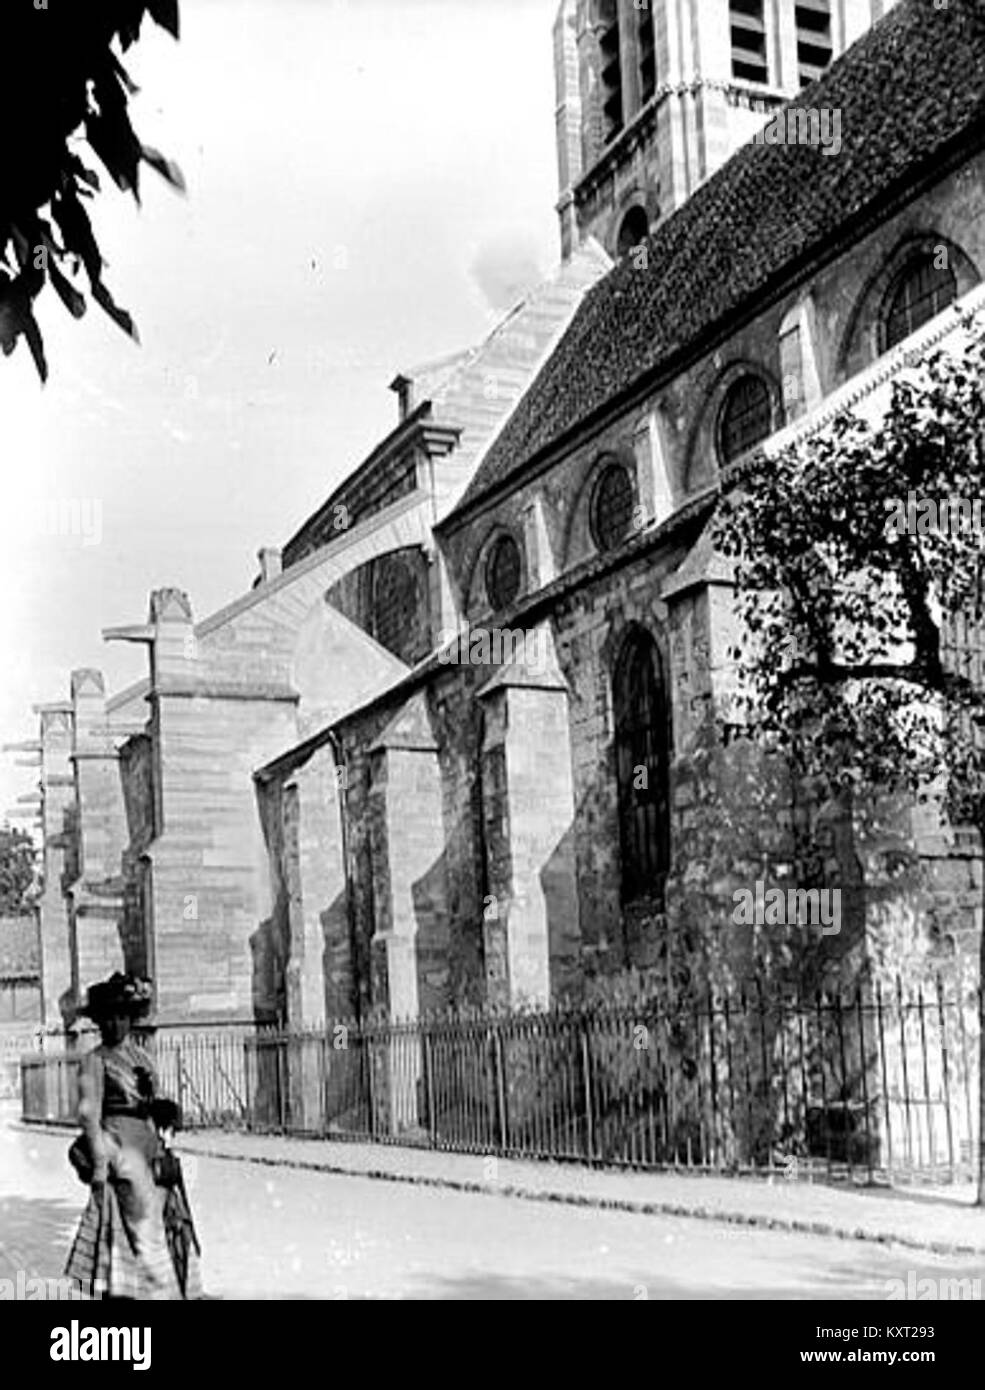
[[121, 1248]]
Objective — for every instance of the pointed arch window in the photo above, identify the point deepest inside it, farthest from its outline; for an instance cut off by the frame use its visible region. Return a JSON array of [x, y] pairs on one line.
[[643, 750]]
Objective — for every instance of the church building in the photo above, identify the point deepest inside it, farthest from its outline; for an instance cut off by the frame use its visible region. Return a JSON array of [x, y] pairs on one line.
[[466, 739]]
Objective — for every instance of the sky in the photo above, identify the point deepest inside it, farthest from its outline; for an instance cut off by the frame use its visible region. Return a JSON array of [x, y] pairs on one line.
[[370, 184]]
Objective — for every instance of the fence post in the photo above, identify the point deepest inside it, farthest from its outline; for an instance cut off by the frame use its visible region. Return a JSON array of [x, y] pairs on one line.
[[370, 1082], [865, 1078], [429, 1086], [587, 1082], [249, 1045], [181, 1081], [323, 1082], [928, 1099], [500, 1081], [946, 1077]]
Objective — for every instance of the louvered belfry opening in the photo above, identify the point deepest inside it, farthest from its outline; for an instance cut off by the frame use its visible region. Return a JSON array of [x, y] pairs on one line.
[[648, 53], [747, 20], [814, 45], [610, 74], [643, 743]]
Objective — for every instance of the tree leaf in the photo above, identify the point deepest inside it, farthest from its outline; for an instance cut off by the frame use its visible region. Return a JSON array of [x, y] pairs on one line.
[[76, 229], [167, 168], [36, 344], [72, 298], [119, 316], [16, 318], [165, 13]]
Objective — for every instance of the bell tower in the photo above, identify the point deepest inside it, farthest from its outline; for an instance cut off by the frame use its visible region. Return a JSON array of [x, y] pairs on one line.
[[654, 95]]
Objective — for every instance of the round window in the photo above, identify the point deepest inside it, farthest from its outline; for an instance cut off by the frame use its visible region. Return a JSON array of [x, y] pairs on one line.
[[612, 506], [503, 572]]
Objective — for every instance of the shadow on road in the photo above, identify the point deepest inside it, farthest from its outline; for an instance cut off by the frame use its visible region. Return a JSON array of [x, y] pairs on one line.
[[35, 1234]]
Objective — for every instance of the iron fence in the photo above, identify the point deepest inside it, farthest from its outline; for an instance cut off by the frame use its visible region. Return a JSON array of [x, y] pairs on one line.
[[873, 1083], [203, 1067], [879, 1082]]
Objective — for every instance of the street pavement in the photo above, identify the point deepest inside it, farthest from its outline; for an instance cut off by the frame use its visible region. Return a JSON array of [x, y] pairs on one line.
[[286, 1233], [940, 1218]]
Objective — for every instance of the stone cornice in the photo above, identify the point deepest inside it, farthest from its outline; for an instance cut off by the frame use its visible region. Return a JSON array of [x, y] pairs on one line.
[[128, 693], [641, 127], [176, 687]]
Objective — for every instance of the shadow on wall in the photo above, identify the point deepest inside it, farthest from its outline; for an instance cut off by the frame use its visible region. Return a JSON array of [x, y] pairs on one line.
[[336, 959], [442, 974], [559, 884], [269, 951]]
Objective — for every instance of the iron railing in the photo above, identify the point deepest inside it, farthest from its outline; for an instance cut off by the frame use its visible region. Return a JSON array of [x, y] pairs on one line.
[[202, 1067], [879, 1082]]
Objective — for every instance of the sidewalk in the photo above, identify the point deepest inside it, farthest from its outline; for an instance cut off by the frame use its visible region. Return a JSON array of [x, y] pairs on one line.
[[939, 1219]]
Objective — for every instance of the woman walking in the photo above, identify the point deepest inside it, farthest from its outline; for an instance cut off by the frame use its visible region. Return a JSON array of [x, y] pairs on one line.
[[121, 1249]]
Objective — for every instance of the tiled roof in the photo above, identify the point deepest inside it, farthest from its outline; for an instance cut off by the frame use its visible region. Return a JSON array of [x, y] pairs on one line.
[[909, 91]]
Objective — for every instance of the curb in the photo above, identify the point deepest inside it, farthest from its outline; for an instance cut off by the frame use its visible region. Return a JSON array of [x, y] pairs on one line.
[[791, 1225]]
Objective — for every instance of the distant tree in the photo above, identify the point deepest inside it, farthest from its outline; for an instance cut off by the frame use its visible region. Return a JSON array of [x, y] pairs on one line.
[[862, 605], [17, 861], [65, 99]]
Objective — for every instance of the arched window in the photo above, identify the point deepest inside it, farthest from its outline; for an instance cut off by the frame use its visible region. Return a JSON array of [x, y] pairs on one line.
[[747, 416], [634, 230], [922, 290], [503, 569], [643, 749], [611, 510], [396, 604]]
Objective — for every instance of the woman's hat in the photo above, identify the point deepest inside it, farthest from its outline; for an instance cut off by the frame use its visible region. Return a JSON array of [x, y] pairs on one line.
[[120, 994]]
